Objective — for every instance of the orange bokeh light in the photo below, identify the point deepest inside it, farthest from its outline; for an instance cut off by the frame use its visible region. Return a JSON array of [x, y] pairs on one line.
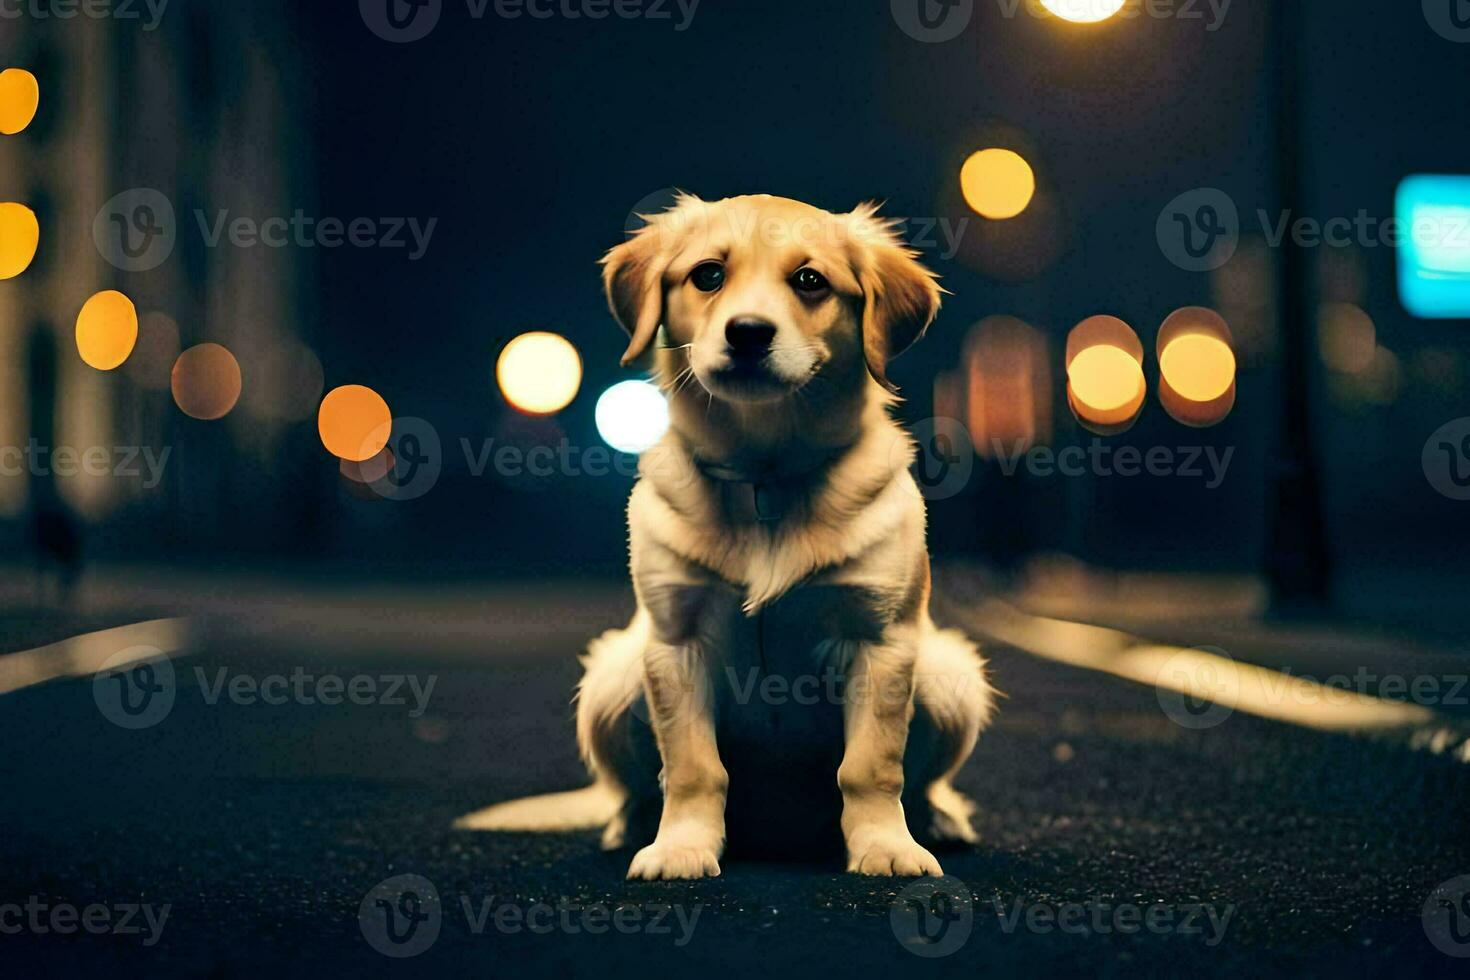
[[107, 330], [354, 422]]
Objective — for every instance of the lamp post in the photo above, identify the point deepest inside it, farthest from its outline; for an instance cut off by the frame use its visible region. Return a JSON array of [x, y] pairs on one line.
[[1298, 560]]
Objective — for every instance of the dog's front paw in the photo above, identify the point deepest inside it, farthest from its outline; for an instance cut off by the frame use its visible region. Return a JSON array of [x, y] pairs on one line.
[[892, 853], [673, 862]]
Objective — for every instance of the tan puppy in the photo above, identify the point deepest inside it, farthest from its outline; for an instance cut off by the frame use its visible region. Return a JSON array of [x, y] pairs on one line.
[[781, 679]]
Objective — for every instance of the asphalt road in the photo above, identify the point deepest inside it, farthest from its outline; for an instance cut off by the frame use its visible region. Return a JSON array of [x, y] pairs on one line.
[[275, 837]]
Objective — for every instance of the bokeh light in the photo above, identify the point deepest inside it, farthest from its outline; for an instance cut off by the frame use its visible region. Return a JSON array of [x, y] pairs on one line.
[[20, 234], [369, 471], [206, 382], [539, 373], [1008, 391], [1347, 338], [1105, 383], [997, 184], [1196, 366], [354, 422], [632, 416], [20, 96], [107, 330], [152, 362], [1084, 11]]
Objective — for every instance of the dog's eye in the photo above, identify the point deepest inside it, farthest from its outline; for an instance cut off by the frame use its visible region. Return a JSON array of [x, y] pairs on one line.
[[709, 277], [809, 281]]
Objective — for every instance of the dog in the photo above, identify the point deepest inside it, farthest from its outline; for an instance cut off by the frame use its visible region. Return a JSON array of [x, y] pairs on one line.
[[781, 686]]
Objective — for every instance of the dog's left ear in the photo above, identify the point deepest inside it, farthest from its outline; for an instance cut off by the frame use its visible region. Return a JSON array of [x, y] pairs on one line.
[[901, 297]]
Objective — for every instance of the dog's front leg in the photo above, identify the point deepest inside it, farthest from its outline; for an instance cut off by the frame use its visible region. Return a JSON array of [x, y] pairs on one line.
[[691, 833], [876, 713]]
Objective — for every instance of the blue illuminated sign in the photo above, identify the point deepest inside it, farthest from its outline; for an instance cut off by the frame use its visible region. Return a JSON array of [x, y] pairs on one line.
[[1434, 249]]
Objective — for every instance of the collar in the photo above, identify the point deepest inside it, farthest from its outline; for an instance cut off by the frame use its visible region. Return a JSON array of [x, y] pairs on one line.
[[754, 494]]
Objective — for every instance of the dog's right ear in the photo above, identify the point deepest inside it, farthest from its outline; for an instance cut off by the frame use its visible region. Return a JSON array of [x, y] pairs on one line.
[[632, 274], [633, 278]]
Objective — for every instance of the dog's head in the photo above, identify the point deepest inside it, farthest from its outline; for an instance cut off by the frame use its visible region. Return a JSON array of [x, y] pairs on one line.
[[760, 295]]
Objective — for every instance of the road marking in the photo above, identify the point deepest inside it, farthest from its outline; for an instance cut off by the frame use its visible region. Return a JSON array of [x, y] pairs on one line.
[[1207, 676], [82, 656]]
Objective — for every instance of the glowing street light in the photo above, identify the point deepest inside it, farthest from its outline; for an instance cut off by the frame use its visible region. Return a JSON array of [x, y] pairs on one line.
[[632, 416], [1084, 11], [20, 234], [1105, 383], [539, 373], [1196, 367], [20, 96], [354, 422], [997, 184], [107, 330]]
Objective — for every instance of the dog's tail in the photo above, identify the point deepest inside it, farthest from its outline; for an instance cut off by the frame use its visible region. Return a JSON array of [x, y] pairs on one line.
[[581, 809]]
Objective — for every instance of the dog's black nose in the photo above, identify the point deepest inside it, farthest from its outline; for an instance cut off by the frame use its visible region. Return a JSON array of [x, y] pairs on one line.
[[750, 337]]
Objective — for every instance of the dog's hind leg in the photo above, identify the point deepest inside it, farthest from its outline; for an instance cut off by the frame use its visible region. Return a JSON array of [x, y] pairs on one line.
[[953, 702], [614, 736]]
